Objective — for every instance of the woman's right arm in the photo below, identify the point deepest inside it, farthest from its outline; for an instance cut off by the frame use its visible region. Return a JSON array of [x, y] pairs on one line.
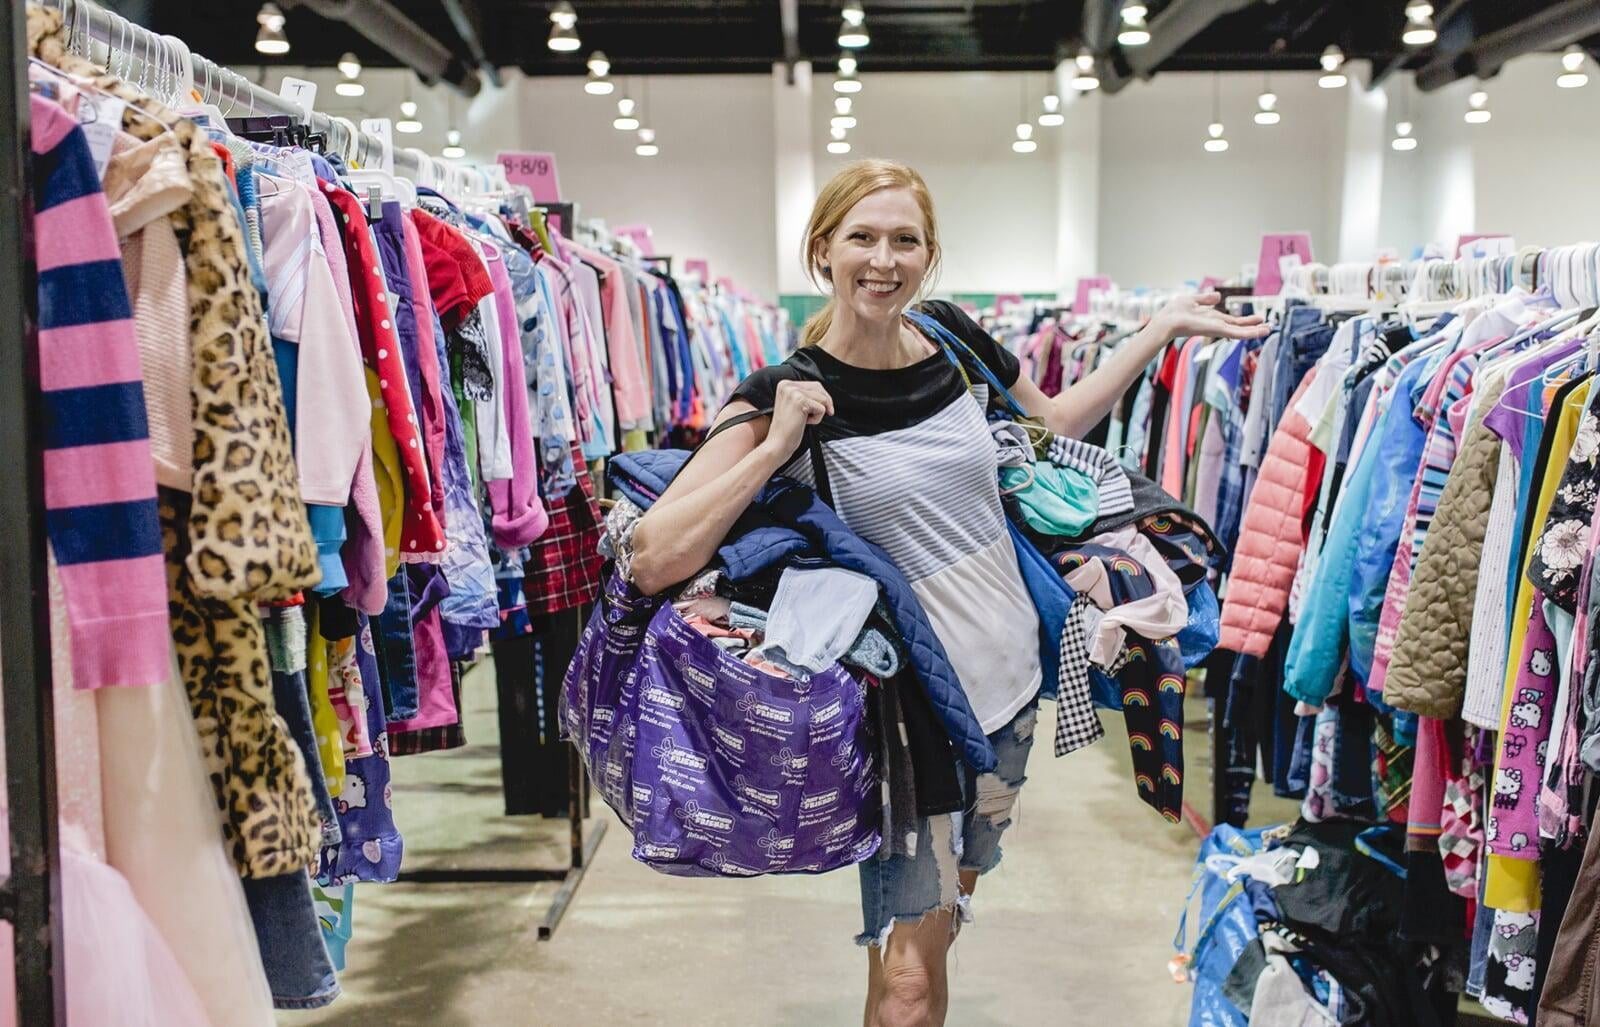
[[681, 531]]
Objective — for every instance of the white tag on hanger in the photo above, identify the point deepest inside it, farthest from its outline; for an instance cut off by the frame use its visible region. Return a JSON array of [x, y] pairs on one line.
[[300, 92], [101, 119], [382, 129], [1288, 262]]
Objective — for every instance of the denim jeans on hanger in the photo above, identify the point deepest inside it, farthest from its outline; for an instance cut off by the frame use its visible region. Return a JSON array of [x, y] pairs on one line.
[[299, 970], [397, 655]]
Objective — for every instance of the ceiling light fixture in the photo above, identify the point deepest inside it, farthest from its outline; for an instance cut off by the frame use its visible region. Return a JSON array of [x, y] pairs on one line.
[[853, 14], [848, 64], [350, 68], [625, 121], [1085, 78], [269, 37], [838, 147], [847, 82], [453, 149], [1333, 76], [853, 31], [408, 122], [1051, 116], [647, 143], [1419, 29], [1477, 108], [1024, 142], [563, 28], [1134, 30], [841, 105], [1216, 143], [843, 121], [1267, 105], [599, 81], [1403, 140], [1572, 75]]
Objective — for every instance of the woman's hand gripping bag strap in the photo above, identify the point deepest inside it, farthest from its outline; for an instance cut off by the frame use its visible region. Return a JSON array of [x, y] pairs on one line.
[[738, 773]]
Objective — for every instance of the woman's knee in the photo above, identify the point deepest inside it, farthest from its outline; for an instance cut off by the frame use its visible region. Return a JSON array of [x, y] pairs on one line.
[[908, 996]]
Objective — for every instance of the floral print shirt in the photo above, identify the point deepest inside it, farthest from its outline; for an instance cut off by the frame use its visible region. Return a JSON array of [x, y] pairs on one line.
[[1559, 555]]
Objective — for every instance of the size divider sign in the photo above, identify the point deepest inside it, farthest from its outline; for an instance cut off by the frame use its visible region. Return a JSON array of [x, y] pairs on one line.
[[381, 129], [537, 171]]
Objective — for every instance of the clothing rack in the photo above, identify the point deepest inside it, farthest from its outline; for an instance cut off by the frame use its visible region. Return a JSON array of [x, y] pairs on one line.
[[165, 65], [30, 897]]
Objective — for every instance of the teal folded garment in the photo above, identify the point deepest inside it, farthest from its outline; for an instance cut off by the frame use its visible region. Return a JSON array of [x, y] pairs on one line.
[[1058, 501]]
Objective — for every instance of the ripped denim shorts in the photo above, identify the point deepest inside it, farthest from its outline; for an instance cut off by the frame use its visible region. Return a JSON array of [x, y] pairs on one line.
[[906, 888]]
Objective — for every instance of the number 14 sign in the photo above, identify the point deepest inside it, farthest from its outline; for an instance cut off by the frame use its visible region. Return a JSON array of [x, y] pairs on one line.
[[537, 171]]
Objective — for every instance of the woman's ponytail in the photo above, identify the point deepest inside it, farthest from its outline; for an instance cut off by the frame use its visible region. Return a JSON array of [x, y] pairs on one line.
[[817, 325]]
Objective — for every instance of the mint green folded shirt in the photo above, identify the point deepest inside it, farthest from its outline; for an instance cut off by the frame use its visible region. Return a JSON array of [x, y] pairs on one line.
[[1060, 501]]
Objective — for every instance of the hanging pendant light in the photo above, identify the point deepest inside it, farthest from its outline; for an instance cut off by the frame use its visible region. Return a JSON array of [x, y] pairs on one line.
[[599, 81], [1419, 30], [563, 28], [838, 144], [1267, 105], [1051, 116], [1477, 108], [1333, 76], [453, 150], [1134, 30], [853, 30], [408, 122], [270, 39], [1403, 140], [846, 81], [1024, 142], [842, 118], [625, 121], [1216, 142], [350, 68], [1572, 75], [647, 143], [1085, 78]]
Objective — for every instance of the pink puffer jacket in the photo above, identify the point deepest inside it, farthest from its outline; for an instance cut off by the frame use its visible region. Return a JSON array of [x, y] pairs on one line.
[[1270, 539]]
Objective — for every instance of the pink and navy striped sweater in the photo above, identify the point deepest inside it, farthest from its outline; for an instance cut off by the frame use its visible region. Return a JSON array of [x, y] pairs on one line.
[[99, 477]]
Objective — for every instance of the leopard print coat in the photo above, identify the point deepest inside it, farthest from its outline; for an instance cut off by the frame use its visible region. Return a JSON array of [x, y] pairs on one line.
[[243, 535]]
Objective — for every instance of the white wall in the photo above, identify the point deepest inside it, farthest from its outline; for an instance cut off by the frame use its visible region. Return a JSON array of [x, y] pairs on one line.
[[1125, 189], [996, 208], [1170, 211]]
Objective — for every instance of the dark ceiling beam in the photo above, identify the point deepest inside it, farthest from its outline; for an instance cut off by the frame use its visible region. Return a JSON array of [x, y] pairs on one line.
[[1552, 28], [748, 63], [468, 20], [1170, 31], [385, 26]]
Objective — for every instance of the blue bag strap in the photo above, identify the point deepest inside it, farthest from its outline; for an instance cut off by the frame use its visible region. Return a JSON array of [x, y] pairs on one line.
[[962, 355]]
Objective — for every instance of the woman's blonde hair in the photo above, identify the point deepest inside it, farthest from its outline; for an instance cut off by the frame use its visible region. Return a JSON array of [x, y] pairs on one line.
[[853, 183]]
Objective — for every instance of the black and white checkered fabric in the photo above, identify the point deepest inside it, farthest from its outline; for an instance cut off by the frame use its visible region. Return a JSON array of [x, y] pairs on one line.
[[1076, 722]]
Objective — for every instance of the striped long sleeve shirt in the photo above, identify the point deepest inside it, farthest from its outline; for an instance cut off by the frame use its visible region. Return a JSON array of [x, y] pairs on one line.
[[99, 476]]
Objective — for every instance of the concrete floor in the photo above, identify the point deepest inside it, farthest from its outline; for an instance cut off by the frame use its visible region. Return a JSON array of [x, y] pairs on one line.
[[1074, 928]]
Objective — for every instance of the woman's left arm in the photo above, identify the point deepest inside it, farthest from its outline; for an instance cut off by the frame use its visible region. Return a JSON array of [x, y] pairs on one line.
[[1083, 405]]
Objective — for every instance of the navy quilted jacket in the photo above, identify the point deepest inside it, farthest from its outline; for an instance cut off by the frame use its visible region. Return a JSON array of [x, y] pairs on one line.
[[787, 520]]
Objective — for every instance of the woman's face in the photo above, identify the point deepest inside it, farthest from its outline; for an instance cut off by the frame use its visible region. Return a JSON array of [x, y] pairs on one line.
[[878, 255]]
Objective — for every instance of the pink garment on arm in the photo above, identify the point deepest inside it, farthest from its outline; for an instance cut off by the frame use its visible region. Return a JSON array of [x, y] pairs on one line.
[[516, 515], [362, 552]]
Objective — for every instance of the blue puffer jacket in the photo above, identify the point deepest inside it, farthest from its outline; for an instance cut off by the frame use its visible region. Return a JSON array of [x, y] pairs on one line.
[[787, 521]]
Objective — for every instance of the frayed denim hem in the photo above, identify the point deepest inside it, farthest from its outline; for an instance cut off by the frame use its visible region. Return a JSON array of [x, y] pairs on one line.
[[962, 908]]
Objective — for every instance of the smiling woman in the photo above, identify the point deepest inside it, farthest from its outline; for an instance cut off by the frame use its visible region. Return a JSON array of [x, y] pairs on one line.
[[909, 461]]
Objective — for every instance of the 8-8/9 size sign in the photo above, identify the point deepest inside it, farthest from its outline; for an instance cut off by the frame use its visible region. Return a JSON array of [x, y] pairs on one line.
[[537, 171]]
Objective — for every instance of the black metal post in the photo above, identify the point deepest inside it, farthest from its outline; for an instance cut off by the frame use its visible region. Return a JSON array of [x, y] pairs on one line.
[[33, 891]]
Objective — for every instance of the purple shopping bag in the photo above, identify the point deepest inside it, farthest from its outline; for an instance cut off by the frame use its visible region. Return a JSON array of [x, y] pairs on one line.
[[720, 769]]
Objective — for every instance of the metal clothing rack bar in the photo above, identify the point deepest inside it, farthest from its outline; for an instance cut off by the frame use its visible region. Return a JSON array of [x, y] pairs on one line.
[[582, 845], [85, 20], [31, 896]]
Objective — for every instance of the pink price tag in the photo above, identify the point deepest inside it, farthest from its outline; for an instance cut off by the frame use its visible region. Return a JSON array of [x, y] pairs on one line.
[[537, 171], [641, 235], [698, 267], [1006, 300], [1080, 301], [1277, 251]]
